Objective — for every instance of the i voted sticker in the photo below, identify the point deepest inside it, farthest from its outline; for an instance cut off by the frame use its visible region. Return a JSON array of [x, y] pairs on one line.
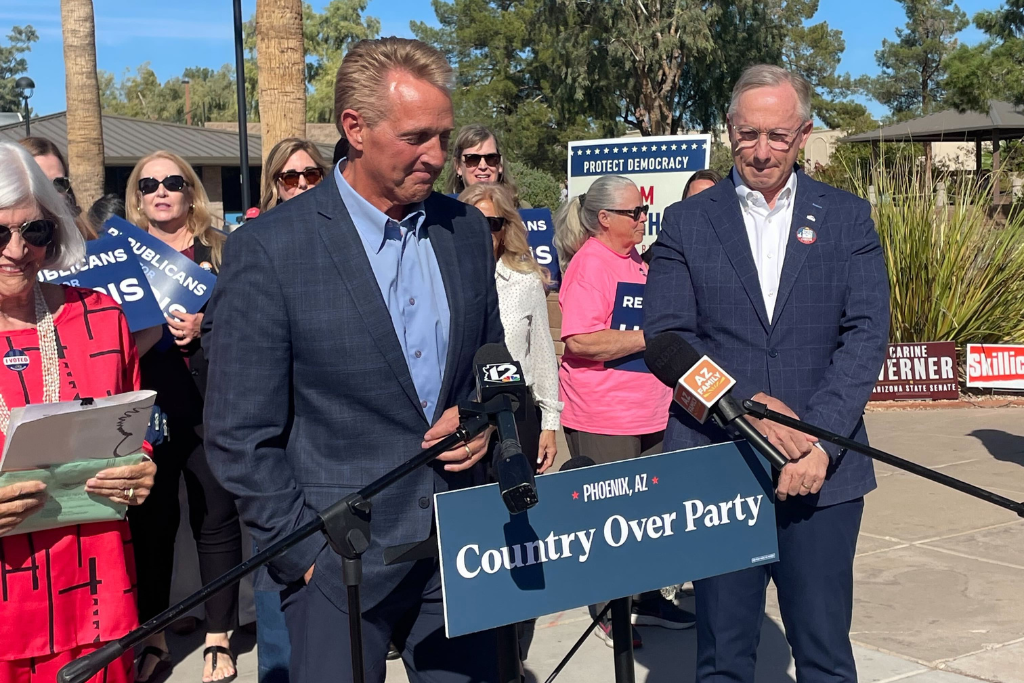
[[806, 235], [16, 360]]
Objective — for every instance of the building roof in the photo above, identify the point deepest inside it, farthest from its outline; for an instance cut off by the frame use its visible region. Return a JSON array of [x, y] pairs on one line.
[[953, 126], [320, 133], [126, 140]]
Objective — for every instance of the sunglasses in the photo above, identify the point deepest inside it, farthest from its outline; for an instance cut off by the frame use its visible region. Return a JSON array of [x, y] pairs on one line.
[[290, 179], [496, 222], [173, 183], [62, 184], [38, 233], [633, 213], [473, 160]]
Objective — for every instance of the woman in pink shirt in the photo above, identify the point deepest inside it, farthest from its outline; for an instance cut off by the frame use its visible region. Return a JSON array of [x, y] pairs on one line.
[[614, 408]]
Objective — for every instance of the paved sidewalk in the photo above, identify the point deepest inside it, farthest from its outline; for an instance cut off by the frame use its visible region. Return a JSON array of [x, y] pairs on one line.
[[939, 576]]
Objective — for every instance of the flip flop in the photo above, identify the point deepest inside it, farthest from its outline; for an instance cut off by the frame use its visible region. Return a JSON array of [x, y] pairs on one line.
[[220, 649], [163, 662]]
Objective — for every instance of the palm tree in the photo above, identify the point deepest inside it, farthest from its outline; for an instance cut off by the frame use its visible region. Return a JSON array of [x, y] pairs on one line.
[[85, 126], [282, 71]]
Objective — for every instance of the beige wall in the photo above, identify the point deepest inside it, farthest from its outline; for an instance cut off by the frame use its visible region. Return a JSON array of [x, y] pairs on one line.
[[212, 184]]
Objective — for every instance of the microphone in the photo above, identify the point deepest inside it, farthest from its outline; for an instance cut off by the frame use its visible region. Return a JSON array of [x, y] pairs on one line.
[[702, 389], [576, 463], [498, 375]]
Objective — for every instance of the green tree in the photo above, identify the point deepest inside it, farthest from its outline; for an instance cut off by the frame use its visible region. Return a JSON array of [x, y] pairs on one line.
[[142, 95], [328, 35], [993, 69], [13, 64]]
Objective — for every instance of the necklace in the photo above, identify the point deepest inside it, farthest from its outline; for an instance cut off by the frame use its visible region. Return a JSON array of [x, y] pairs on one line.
[[47, 350]]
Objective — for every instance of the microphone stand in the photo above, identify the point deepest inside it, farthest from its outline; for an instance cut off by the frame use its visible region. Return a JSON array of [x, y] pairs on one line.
[[347, 526], [762, 411]]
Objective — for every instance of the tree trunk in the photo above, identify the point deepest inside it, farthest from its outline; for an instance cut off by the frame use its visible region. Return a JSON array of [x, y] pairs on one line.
[[282, 71], [85, 125], [928, 169]]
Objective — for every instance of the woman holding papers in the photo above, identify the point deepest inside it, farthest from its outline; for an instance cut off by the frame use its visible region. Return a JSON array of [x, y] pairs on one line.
[[66, 591], [167, 199]]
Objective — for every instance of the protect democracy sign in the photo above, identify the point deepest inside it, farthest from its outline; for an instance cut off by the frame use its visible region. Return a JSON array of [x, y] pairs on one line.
[[603, 532], [111, 267], [918, 371], [628, 314], [995, 366], [660, 166], [540, 233], [177, 282]]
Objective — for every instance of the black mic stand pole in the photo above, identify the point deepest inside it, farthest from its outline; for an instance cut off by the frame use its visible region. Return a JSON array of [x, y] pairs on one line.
[[347, 527], [762, 411]]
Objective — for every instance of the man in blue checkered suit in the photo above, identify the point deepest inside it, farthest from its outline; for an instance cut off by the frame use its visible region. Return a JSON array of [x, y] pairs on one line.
[[780, 279]]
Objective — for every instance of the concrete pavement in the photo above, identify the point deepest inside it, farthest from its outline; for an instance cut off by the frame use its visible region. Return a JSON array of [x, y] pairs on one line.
[[939, 592]]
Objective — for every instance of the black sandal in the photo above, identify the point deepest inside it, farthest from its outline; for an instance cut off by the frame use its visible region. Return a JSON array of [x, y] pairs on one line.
[[163, 662], [215, 650]]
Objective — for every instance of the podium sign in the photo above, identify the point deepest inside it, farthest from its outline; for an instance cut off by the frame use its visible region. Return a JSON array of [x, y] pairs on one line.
[[603, 532]]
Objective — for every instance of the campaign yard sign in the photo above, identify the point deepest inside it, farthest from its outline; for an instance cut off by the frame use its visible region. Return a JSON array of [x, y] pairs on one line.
[[178, 283], [540, 233], [995, 366], [628, 314], [111, 267], [659, 165], [603, 532], [922, 371]]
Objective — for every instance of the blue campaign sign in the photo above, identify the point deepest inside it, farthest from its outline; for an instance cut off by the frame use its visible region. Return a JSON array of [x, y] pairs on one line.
[[628, 314], [540, 232], [603, 532], [111, 268], [178, 283]]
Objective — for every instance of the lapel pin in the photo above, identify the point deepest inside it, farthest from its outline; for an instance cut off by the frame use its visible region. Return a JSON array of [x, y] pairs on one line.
[[806, 235], [811, 218]]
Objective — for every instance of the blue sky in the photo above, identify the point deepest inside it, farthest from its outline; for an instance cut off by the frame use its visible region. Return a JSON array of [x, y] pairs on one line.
[[199, 33]]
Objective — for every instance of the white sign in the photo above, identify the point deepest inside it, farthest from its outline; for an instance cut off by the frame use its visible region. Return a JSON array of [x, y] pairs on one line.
[[995, 366], [660, 166]]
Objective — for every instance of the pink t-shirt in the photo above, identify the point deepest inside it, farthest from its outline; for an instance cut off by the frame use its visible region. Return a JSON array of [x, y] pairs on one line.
[[597, 399]]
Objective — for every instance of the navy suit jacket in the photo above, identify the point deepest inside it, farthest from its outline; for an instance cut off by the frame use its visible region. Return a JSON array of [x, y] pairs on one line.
[[821, 353], [310, 397]]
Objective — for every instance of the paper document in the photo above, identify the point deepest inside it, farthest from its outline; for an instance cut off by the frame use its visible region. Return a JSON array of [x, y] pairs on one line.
[[49, 434]]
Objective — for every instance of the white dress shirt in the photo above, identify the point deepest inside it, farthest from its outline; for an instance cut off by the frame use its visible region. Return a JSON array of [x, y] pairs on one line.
[[524, 315], [768, 231]]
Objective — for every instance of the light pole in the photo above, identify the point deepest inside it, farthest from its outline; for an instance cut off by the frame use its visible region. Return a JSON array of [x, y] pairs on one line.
[[188, 101], [243, 132], [27, 87]]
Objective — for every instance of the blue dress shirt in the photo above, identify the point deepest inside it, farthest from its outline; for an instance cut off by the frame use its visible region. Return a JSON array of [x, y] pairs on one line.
[[404, 264]]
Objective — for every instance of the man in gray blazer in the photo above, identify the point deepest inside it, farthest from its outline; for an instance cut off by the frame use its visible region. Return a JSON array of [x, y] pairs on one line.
[[344, 327]]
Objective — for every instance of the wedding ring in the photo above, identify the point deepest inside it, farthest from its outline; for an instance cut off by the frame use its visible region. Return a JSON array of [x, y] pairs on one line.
[[129, 494], [805, 486], [469, 452]]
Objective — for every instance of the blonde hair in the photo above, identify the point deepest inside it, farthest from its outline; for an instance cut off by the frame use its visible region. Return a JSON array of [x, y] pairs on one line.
[[361, 81], [576, 220], [199, 216], [23, 182], [471, 136], [278, 157], [515, 248]]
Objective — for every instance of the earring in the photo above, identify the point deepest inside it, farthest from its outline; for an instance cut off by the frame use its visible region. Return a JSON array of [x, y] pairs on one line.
[[192, 207]]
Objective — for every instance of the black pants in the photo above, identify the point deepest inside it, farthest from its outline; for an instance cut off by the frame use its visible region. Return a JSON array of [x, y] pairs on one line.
[[214, 520]]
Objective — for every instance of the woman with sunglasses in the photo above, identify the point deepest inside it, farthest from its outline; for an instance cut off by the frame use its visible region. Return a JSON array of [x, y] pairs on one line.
[[50, 159], [476, 158], [293, 166], [67, 591], [167, 200], [615, 409]]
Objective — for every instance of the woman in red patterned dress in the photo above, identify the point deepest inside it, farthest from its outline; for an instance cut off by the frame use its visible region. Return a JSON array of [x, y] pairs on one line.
[[63, 592]]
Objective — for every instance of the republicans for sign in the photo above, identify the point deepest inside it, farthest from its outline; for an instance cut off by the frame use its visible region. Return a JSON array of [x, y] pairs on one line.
[[628, 314], [603, 532], [995, 366], [660, 167], [540, 233], [925, 370]]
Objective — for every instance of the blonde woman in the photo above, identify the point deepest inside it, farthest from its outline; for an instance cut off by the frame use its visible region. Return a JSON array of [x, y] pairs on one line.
[[293, 166], [167, 199], [520, 281]]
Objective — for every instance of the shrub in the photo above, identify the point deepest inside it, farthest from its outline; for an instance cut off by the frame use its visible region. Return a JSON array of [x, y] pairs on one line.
[[536, 188]]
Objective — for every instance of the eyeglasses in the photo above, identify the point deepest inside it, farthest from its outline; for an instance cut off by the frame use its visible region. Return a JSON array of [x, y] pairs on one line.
[[496, 222], [779, 139], [473, 160], [173, 183], [290, 179], [633, 213], [62, 184], [38, 233]]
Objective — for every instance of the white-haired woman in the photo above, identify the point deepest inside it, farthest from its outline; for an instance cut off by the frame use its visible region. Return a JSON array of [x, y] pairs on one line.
[[67, 590], [611, 413]]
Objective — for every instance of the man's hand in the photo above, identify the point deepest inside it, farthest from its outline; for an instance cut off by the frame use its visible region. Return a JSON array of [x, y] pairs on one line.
[[803, 476], [793, 444], [462, 457]]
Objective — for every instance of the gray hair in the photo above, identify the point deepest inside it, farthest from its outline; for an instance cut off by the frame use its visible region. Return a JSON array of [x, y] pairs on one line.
[[771, 76], [576, 221], [23, 183]]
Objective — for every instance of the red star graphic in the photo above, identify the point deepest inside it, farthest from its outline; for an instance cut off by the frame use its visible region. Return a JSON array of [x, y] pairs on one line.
[[575, 495], [654, 480]]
